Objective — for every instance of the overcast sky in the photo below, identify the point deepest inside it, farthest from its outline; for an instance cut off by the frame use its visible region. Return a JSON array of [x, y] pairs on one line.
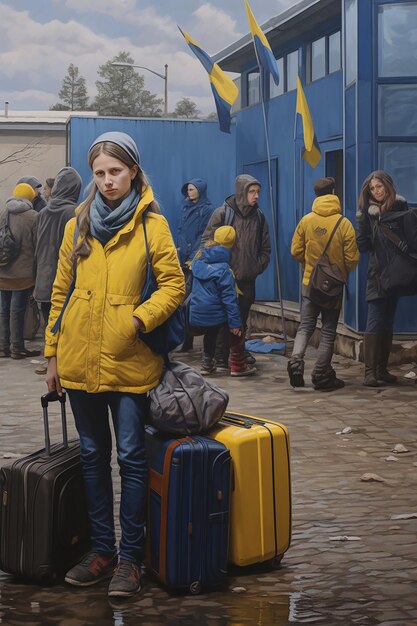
[[40, 38]]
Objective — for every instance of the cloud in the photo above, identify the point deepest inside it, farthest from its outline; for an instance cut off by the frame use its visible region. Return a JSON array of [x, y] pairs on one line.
[[213, 28], [146, 19]]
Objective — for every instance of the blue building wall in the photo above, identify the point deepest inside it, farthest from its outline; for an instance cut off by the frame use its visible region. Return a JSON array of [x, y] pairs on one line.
[[172, 152], [292, 178]]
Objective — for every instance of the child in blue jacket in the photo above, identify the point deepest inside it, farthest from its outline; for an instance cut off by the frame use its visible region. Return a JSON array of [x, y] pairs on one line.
[[214, 303]]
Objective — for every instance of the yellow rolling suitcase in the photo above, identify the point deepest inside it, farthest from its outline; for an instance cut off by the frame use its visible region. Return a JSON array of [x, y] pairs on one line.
[[260, 526]]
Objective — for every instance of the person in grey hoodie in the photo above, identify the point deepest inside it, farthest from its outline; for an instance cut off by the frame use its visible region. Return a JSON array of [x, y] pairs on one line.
[[18, 277], [51, 224], [251, 252]]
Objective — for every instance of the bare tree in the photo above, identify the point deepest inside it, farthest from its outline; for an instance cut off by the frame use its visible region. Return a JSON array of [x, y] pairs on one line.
[[28, 153]]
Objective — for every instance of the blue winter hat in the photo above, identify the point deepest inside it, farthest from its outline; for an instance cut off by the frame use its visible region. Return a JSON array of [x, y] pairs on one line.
[[122, 140]]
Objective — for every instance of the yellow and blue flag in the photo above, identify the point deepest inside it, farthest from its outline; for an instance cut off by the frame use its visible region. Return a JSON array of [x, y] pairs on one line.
[[224, 89], [311, 152], [263, 50]]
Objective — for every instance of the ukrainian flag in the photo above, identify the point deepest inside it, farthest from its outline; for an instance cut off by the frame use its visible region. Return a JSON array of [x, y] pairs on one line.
[[224, 89], [311, 152], [263, 50]]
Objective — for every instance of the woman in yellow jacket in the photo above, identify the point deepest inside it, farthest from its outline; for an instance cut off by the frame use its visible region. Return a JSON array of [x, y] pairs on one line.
[[97, 355]]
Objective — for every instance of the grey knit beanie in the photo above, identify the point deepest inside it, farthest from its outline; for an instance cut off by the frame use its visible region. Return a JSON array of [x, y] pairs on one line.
[[122, 140]]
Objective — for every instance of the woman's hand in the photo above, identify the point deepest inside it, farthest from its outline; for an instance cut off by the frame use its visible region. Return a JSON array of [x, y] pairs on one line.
[[52, 379], [138, 325], [235, 331]]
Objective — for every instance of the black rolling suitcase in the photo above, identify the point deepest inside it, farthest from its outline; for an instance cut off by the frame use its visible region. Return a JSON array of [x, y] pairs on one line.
[[44, 527]]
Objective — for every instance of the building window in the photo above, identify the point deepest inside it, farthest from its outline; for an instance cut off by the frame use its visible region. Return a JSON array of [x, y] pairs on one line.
[[318, 58], [335, 49], [254, 88], [324, 56], [397, 39], [400, 160], [351, 42], [291, 70], [397, 110], [277, 90]]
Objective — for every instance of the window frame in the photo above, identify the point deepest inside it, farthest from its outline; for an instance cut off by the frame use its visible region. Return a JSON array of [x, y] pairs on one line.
[[309, 56]]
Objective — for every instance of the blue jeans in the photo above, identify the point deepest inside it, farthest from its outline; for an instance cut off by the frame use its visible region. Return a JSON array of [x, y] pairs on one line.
[[381, 314], [12, 317], [128, 411], [308, 321]]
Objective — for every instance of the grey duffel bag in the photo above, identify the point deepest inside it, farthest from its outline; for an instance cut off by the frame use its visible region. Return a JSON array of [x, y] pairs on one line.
[[184, 402]]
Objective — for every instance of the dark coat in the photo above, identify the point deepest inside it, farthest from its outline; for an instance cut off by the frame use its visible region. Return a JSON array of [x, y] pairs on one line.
[[213, 296], [252, 248], [193, 221], [51, 225], [371, 239]]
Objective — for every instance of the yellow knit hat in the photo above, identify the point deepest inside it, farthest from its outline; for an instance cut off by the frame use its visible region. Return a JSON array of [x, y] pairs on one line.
[[23, 190], [225, 236]]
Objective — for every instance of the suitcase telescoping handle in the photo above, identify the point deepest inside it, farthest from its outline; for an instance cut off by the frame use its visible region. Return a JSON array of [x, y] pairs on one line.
[[52, 396], [242, 420]]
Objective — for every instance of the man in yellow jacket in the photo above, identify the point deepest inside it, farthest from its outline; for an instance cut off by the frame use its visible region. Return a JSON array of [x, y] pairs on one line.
[[309, 241]]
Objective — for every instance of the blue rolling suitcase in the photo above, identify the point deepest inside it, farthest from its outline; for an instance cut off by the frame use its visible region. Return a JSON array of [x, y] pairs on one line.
[[188, 510]]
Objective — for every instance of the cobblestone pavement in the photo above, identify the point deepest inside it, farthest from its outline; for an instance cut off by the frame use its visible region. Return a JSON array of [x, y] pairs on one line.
[[351, 561]]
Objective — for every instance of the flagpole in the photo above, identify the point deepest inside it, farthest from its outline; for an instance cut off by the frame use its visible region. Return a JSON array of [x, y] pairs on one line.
[[271, 199]]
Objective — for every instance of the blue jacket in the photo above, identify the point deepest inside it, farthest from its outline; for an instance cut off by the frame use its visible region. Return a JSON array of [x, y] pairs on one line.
[[193, 221], [213, 297]]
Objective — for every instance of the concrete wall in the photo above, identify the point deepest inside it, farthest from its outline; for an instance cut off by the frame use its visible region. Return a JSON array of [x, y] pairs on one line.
[[41, 153]]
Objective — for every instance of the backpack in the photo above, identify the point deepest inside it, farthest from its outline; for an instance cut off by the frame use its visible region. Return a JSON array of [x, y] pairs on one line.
[[229, 216], [9, 247]]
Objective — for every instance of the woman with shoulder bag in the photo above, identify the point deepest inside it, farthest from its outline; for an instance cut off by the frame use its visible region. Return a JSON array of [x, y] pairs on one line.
[[381, 219], [97, 354]]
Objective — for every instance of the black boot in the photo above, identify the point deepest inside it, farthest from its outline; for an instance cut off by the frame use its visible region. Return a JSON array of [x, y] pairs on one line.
[[371, 347], [326, 381], [384, 352], [295, 369]]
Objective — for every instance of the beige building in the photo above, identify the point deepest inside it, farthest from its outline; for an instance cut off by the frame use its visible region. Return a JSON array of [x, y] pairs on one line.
[[32, 143]]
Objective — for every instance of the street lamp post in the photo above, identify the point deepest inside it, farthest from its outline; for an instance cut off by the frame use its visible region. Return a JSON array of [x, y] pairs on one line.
[[163, 76]]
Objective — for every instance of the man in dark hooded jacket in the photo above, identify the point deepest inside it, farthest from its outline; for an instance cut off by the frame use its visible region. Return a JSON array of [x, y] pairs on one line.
[[51, 224], [252, 249]]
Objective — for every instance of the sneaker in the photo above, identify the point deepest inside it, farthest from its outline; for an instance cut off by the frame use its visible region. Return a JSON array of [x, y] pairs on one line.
[[93, 568], [208, 365], [126, 580], [247, 371], [4, 354], [22, 354], [222, 366], [250, 359]]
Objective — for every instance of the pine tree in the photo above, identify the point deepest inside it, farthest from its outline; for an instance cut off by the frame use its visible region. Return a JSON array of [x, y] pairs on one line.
[[73, 93], [121, 91]]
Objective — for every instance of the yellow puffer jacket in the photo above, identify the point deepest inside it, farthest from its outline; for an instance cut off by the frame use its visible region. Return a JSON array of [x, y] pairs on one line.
[[313, 232], [97, 347]]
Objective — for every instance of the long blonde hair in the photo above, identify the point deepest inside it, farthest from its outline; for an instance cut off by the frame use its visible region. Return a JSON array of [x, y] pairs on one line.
[[139, 183]]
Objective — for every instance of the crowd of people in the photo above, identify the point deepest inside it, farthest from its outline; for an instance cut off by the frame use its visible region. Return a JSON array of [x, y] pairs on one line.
[[95, 252]]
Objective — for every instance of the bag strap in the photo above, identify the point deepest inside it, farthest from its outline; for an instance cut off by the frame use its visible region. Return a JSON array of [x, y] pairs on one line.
[[397, 241], [55, 328], [331, 236]]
